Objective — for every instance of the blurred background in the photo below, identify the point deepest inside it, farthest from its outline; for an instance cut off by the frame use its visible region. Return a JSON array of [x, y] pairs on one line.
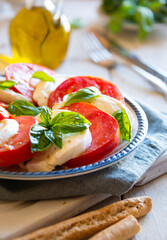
[[23, 28]]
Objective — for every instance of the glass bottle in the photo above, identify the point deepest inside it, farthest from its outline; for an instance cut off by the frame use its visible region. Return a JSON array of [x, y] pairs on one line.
[[40, 33]]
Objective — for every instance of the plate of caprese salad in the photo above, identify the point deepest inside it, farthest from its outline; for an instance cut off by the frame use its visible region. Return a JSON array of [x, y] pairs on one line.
[[55, 126]]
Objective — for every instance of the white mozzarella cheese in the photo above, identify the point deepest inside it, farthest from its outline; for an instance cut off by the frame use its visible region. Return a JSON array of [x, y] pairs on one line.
[[106, 104], [9, 96], [8, 128], [42, 92], [73, 146], [43, 89], [111, 105]]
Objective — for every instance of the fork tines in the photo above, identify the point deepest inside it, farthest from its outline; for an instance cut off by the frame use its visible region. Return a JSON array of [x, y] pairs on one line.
[[96, 51]]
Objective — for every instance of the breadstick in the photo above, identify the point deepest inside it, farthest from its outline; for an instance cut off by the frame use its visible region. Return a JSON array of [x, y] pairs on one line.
[[122, 230], [90, 223]]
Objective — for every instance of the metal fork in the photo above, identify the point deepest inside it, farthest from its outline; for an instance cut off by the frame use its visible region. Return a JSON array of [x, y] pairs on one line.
[[96, 51], [100, 55]]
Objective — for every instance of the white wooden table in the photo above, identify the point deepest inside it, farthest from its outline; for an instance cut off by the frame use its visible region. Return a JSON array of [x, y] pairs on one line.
[[154, 49]]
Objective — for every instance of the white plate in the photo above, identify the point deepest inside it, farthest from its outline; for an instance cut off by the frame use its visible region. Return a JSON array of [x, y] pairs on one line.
[[121, 152]]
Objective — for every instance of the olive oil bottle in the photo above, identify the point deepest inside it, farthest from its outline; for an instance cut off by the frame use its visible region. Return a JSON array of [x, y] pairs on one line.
[[37, 39]]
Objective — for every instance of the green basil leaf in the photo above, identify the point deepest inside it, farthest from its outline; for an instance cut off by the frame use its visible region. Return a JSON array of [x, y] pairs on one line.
[[116, 21], [46, 115], [111, 5], [76, 23], [124, 124], [71, 128], [7, 84], [43, 76], [38, 139], [21, 107], [82, 95], [55, 137], [70, 122], [49, 132], [145, 19]]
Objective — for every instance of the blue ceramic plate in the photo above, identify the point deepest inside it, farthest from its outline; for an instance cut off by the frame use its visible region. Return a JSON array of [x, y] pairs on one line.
[[124, 150]]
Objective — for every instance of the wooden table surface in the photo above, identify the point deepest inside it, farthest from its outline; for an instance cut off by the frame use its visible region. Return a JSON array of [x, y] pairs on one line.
[[154, 49]]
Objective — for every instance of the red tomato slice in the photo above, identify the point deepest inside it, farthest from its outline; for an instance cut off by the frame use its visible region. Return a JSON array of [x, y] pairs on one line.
[[75, 83], [105, 134], [4, 114], [22, 73], [17, 149]]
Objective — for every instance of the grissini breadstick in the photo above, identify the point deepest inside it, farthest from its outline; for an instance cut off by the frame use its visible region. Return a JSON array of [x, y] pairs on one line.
[[122, 230], [90, 223]]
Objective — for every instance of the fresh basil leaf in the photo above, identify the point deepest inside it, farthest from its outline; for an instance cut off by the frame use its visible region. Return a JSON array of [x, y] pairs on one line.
[[76, 23], [7, 84], [55, 137], [82, 95], [124, 124], [140, 12], [46, 115], [49, 132], [71, 128], [43, 76], [156, 6], [116, 20], [111, 5], [21, 107], [38, 139], [125, 11], [145, 19], [69, 122]]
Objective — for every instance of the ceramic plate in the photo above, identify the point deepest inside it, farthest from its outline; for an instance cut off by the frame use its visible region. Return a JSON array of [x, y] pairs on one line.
[[124, 150]]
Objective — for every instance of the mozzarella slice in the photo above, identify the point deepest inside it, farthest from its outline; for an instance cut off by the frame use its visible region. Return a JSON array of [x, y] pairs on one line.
[[111, 105], [8, 128], [9, 96], [106, 104], [43, 90], [73, 146]]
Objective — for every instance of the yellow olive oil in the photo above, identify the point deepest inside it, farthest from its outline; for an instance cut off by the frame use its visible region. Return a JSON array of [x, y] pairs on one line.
[[36, 39]]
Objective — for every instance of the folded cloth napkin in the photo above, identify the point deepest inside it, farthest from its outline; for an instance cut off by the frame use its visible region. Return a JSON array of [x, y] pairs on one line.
[[115, 180]]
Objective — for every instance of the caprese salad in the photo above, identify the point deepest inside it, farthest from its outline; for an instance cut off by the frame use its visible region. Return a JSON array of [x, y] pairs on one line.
[[49, 120]]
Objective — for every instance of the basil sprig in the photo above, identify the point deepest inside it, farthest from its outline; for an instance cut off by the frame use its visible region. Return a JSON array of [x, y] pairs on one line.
[[124, 124], [50, 131], [76, 23], [22, 107], [82, 95], [43, 76], [7, 84]]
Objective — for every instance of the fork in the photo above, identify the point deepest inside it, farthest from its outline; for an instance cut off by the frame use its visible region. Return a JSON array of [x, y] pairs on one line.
[[100, 55], [96, 51]]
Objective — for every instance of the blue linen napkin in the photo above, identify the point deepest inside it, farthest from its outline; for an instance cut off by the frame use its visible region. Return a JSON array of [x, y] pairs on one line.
[[116, 179]]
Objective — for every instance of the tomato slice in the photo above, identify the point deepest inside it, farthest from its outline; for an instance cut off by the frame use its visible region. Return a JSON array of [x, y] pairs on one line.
[[105, 134], [22, 73], [17, 149], [4, 114], [75, 83]]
